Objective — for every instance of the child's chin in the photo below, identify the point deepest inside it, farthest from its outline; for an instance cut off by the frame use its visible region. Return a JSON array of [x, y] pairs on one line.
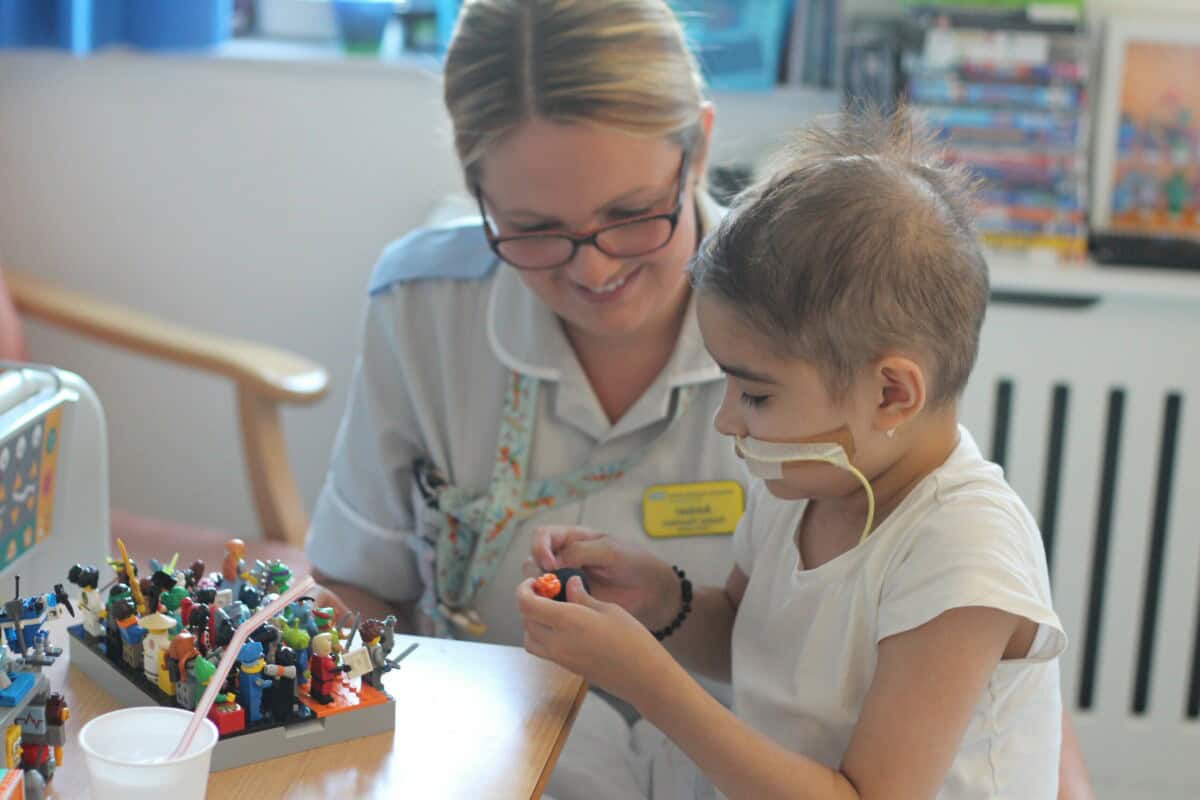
[[786, 491]]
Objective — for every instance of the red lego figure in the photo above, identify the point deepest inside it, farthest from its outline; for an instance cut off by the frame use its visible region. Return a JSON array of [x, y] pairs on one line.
[[325, 674]]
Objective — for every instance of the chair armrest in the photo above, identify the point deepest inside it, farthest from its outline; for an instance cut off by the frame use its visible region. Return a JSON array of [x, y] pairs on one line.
[[268, 372]]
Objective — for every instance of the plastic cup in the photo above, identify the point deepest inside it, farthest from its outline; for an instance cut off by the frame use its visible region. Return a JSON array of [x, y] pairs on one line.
[[126, 753]]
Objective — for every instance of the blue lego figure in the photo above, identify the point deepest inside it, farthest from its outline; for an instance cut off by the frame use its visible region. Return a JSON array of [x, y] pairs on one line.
[[14, 683], [251, 681], [300, 613], [22, 619]]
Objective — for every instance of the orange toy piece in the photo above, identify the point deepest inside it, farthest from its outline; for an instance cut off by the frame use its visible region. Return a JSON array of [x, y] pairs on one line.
[[547, 586]]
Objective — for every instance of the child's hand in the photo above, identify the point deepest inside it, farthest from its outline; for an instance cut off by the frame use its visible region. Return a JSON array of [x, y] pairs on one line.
[[600, 641], [617, 571]]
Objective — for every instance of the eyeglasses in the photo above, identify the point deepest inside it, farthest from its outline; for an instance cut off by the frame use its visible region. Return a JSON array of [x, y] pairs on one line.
[[626, 239]]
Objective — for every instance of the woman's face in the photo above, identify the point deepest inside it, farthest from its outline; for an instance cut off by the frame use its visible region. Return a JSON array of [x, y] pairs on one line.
[[550, 177]]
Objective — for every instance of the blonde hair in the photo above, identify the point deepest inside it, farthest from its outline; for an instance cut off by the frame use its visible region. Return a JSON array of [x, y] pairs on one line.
[[620, 64], [858, 242]]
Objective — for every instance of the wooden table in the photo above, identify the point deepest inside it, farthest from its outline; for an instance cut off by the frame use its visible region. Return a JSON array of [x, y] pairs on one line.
[[473, 721]]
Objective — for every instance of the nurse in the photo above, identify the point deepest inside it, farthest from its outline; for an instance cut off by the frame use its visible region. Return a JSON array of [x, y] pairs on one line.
[[542, 366]]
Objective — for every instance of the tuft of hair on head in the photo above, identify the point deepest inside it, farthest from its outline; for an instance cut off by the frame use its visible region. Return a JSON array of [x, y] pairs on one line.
[[857, 242]]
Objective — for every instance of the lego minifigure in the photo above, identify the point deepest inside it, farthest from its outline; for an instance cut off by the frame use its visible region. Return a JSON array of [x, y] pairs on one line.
[[112, 634], [324, 619], [325, 674], [187, 669], [233, 568], [269, 637], [154, 646], [553, 585], [298, 639], [285, 672], [130, 631], [197, 625], [91, 605], [169, 602], [250, 597], [300, 612], [194, 574], [371, 631], [274, 577], [251, 681]]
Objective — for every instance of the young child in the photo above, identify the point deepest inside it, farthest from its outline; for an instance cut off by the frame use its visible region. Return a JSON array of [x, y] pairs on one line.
[[888, 626]]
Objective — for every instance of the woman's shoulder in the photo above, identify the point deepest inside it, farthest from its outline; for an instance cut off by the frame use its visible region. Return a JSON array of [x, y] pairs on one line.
[[457, 251]]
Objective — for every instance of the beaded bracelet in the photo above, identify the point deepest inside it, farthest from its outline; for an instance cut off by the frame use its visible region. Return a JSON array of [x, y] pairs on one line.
[[685, 587]]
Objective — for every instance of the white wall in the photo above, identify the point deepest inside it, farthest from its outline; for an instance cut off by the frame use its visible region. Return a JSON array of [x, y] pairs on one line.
[[246, 197]]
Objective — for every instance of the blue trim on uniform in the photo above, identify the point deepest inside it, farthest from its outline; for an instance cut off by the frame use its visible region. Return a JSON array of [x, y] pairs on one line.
[[457, 251]]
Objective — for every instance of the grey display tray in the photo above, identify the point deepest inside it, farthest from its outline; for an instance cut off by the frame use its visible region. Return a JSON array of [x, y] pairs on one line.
[[243, 748]]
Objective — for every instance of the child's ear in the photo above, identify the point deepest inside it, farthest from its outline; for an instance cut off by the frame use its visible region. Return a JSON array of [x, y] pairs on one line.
[[901, 390]]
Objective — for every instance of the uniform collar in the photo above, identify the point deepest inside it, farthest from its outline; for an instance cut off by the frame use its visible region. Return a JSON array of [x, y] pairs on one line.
[[528, 338]]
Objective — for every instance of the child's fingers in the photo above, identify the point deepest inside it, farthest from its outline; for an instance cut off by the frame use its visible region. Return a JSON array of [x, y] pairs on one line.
[[544, 611], [585, 553], [578, 595], [548, 540]]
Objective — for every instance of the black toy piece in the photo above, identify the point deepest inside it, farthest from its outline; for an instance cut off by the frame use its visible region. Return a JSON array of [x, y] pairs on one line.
[[565, 574]]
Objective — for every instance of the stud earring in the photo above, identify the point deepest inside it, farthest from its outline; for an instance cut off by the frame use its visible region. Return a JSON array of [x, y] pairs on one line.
[[891, 434]]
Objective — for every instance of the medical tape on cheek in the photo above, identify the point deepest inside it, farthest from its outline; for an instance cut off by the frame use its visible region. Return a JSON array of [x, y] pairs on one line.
[[766, 460]]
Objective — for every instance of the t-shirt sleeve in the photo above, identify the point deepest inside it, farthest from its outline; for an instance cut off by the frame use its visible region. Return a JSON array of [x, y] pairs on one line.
[[363, 515], [972, 554]]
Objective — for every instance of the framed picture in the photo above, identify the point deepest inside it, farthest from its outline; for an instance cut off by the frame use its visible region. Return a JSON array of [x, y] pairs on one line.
[[1146, 165]]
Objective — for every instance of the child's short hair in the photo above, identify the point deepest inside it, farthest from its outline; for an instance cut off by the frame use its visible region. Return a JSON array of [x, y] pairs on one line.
[[857, 242]]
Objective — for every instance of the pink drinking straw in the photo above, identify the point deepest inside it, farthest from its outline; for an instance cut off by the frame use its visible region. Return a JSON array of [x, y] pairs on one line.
[[231, 653]]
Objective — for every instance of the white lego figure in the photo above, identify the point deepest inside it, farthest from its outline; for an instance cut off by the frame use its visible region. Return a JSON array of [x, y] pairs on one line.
[[91, 603]]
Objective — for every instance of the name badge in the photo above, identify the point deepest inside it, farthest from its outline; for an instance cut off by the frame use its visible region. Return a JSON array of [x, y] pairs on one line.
[[711, 508]]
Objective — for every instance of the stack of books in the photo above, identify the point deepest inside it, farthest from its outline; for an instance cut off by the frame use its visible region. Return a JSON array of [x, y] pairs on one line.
[[1005, 83]]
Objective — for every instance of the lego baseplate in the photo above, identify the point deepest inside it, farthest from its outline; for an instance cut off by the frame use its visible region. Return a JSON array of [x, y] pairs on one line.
[[334, 724]]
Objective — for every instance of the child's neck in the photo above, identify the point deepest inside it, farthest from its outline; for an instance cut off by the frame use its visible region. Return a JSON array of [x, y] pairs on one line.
[[832, 526]]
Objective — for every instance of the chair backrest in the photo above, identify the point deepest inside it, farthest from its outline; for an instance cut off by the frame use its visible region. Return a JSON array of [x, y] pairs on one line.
[[1090, 404]]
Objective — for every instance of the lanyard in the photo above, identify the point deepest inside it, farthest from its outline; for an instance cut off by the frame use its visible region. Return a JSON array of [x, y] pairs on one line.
[[472, 530]]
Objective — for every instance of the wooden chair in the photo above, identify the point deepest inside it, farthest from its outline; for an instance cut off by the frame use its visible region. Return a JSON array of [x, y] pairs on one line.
[[265, 378]]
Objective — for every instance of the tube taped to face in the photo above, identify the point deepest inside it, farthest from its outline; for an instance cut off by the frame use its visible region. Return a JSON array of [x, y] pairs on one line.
[[766, 460]]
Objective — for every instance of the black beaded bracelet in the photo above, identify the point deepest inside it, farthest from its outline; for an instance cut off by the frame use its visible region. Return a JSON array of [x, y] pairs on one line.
[[685, 588]]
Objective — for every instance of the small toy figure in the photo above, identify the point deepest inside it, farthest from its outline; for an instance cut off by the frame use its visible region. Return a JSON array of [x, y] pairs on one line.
[[325, 674], [298, 640], [554, 584], [169, 602], [301, 613], [284, 704], [91, 605], [131, 633], [194, 575], [325, 624], [187, 670], [198, 626], [10, 662], [250, 597], [269, 637], [233, 568], [251, 682], [273, 577], [112, 634], [154, 646], [371, 631]]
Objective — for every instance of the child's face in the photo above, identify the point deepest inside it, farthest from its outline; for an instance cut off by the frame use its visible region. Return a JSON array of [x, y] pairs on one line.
[[779, 399]]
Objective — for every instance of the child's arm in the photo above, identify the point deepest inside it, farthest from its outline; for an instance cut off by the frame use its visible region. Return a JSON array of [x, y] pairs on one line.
[[927, 682], [644, 585]]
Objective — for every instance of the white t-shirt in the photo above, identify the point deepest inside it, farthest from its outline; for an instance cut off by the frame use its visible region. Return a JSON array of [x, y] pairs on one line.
[[805, 641]]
